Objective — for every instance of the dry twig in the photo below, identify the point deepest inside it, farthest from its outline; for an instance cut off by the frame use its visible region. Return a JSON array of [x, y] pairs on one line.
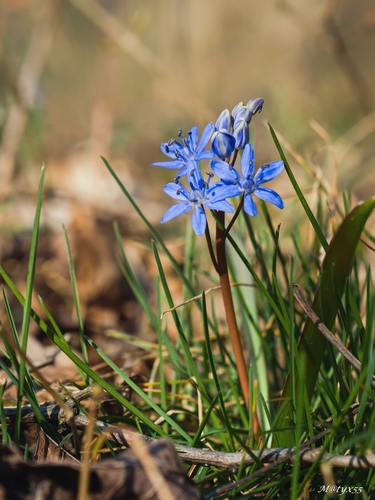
[[222, 460]]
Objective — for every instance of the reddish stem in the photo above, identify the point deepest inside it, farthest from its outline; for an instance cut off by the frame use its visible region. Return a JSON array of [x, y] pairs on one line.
[[229, 307]]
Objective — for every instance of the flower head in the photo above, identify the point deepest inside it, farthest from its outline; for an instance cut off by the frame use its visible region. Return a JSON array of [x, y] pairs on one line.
[[200, 195], [232, 129], [248, 183], [187, 150]]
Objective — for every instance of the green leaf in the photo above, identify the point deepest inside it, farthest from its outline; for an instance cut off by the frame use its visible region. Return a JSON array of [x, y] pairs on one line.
[[336, 270], [27, 306], [302, 199], [77, 303]]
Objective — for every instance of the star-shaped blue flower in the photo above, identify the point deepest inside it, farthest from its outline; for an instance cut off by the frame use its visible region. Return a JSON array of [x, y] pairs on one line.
[[248, 183], [190, 149], [200, 195]]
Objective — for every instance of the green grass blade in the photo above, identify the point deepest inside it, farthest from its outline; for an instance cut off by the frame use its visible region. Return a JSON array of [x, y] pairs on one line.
[[27, 306], [336, 270], [153, 231], [77, 304], [133, 281], [245, 297], [5, 438], [191, 369], [203, 424], [259, 282], [318, 231], [162, 376], [13, 355], [58, 331], [214, 373]]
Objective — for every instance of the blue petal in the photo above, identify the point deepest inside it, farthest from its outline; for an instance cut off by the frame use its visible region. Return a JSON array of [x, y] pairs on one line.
[[268, 171], [198, 221], [223, 144], [248, 161], [235, 109], [172, 147], [176, 191], [167, 149], [175, 211], [221, 205], [249, 205], [180, 174], [222, 170], [205, 137], [269, 195], [169, 164], [241, 134], [224, 121], [221, 190], [193, 139], [205, 155]]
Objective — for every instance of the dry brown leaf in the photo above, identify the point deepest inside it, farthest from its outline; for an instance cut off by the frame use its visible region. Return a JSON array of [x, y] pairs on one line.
[[112, 479], [46, 449]]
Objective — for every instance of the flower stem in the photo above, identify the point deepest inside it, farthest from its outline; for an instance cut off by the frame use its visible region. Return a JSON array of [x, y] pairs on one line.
[[234, 218], [210, 248], [229, 307]]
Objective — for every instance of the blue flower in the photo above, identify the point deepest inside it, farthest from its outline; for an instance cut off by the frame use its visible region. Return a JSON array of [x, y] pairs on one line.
[[190, 149], [199, 196], [248, 183]]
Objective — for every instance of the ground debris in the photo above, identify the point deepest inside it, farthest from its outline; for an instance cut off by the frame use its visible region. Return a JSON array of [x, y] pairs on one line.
[[126, 476]]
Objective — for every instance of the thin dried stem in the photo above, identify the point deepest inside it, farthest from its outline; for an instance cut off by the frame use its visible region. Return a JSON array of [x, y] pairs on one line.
[[223, 460], [327, 333]]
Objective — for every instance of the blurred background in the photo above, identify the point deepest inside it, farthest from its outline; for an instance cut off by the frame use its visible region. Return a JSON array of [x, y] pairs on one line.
[[84, 78]]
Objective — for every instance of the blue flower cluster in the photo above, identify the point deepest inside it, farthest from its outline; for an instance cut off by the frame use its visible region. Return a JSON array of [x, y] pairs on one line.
[[228, 135]]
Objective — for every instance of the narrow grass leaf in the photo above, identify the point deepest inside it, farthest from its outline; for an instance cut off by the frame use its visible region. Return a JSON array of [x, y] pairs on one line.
[[153, 231], [133, 281], [27, 306], [302, 199], [58, 331], [77, 304], [214, 372], [191, 366]]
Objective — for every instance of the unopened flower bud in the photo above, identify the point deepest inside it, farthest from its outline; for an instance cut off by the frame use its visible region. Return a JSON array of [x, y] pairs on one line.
[[241, 134], [242, 113], [224, 121], [255, 105], [236, 107], [223, 143]]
